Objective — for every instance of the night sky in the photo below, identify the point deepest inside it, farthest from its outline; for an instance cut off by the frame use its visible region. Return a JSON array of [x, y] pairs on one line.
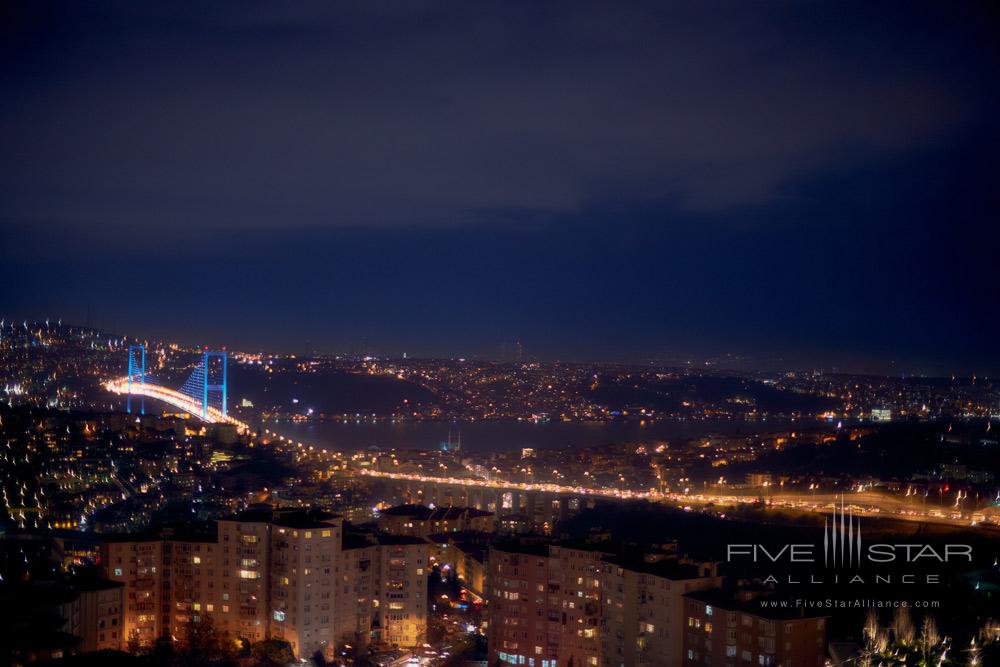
[[802, 184]]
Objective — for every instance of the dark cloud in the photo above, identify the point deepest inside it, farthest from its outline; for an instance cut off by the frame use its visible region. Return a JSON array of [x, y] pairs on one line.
[[803, 180], [367, 114]]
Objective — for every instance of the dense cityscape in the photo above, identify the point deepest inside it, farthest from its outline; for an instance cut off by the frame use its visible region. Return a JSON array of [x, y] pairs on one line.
[[130, 522], [576, 333]]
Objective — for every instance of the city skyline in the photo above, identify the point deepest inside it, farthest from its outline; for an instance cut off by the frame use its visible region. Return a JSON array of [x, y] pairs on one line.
[[513, 352], [579, 333], [811, 185]]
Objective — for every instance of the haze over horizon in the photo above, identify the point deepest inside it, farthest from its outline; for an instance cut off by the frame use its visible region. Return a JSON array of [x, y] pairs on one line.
[[813, 184]]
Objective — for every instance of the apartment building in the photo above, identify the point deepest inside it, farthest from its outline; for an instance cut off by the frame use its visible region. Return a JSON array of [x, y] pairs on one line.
[[100, 621], [169, 579], [47, 620], [304, 562], [575, 595], [643, 617], [523, 622], [244, 596], [421, 521], [545, 603], [401, 589], [465, 553], [736, 630], [581, 603], [137, 562], [269, 573], [190, 566], [357, 618]]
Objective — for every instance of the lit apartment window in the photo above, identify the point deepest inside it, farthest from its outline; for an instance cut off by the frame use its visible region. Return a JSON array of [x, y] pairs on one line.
[[196, 560], [249, 574]]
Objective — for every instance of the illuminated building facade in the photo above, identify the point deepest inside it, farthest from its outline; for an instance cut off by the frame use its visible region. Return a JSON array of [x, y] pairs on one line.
[[274, 574], [723, 631]]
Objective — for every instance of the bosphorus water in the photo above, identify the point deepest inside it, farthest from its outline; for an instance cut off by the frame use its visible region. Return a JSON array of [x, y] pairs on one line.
[[505, 436]]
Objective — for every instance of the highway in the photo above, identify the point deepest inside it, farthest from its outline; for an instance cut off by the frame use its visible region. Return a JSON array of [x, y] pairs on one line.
[[862, 503]]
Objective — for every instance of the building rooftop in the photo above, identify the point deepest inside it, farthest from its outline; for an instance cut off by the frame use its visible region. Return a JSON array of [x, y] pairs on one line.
[[357, 541], [424, 513], [525, 548], [668, 568], [287, 518], [308, 519], [400, 540], [169, 533], [95, 583], [466, 536]]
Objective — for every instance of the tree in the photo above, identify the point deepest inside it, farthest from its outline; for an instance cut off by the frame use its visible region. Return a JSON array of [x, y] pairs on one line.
[[903, 631], [871, 628], [202, 644], [273, 652], [134, 642], [929, 638]]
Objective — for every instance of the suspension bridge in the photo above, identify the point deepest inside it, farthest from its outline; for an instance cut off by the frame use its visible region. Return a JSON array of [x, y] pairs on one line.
[[204, 394]]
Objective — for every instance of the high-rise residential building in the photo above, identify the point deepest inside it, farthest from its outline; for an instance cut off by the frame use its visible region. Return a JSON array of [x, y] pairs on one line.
[[53, 619], [545, 603], [170, 581], [357, 616], [305, 561], [101, 614], [137, 562], [189, 584], [575, 588], [401, 589], [643, 613], [723, 630], [245, 585], [267, 573], [578, 603], [523, 621]]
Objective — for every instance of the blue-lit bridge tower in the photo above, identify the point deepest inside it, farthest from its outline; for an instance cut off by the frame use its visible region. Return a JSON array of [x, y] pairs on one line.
[[136, 374], [207, 383]]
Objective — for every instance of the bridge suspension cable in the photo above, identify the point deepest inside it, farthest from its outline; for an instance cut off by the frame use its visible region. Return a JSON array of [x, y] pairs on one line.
[[204, 393]]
